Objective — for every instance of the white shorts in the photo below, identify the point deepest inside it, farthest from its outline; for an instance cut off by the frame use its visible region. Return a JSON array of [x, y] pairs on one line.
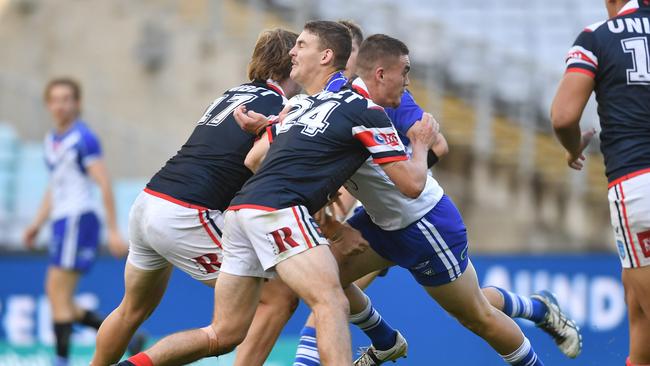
[[254, 240], [164, 230], [629, 207]]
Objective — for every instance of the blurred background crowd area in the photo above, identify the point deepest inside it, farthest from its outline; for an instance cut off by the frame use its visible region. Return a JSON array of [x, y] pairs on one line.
[[486, 69]]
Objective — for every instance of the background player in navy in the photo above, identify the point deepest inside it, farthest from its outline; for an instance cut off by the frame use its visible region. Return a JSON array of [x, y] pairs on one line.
[[322, 140], [177, 220], [611, 58], [74, 159]]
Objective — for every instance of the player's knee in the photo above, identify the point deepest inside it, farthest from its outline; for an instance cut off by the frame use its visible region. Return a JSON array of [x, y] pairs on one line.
[[221, 340], [480, 321], [330, 299]]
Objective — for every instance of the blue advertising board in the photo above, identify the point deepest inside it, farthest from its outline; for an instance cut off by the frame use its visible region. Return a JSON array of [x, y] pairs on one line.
[[588, 288]]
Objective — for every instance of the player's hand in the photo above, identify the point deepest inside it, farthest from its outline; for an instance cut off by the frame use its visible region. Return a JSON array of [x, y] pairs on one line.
[[250, 121], [577, 161], [116, 245], [424, 131], [29, 237]]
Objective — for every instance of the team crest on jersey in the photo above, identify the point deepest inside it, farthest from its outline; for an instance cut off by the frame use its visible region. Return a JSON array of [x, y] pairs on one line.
[[644, 241]]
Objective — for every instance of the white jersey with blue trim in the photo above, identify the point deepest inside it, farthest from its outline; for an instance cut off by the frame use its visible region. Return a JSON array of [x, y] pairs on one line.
[[385, 204], [67, 156]]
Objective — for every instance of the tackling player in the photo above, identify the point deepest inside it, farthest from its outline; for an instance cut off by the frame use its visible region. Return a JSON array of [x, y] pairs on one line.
[[414, 234], [74, 159], [178, 220], [318, 145], [611, 59]]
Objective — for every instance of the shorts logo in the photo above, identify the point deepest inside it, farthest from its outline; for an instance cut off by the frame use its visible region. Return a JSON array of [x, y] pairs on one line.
[[208, 263], [621, 249], [463, 254], [644, 241], [316, 227], [283, 236]]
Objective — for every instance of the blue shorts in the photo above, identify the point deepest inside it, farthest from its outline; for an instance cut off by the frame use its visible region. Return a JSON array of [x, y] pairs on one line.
[[75, 240], [433, 249]]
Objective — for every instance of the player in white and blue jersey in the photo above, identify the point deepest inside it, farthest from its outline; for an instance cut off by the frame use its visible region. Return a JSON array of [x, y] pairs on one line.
[[74, 159], [392, 211], [611, 59]]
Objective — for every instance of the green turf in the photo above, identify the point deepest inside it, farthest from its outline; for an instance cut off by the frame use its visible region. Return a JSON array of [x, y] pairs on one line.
[[40, 355]]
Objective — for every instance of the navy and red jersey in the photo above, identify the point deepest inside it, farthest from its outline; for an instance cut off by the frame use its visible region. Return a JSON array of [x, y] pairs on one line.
[[321, 142], [209, 169], [615, 53]]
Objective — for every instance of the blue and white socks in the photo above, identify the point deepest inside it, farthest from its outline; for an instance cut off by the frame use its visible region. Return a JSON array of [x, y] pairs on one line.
[[523, 356], [382, 335], [516, 306], [307, 352]]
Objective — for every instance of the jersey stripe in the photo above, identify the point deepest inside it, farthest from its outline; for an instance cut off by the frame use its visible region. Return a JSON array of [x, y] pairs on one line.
[[173, 200], [252, 207]]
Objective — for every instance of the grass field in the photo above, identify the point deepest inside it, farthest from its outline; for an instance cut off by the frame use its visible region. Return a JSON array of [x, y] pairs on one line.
[[41, 355]]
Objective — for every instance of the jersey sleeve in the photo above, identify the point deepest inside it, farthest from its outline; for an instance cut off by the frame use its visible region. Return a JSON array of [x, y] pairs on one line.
[[406, 114], [377, 134], [582, 56], [89, 148]]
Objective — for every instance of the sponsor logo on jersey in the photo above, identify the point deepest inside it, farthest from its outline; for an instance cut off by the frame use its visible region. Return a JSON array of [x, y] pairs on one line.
[[386, 139]]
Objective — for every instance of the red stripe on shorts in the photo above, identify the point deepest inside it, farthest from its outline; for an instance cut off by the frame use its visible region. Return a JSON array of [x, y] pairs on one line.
[[302, 229], [207, 228]]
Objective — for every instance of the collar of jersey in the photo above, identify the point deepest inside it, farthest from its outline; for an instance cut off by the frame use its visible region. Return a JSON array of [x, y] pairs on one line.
[[629, 7], [60, 136], [275, 86], [338, 76], [360, 87]]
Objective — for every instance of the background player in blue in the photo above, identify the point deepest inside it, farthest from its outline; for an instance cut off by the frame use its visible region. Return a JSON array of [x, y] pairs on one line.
[[74, 159], [177, 220], [611, 58], [269, 228]]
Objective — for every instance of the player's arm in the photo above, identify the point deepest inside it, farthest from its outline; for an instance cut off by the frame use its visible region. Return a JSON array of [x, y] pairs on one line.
[[29, 237], [257, 153], [98, 172], [438, 150], [410, 175], [569, 103]]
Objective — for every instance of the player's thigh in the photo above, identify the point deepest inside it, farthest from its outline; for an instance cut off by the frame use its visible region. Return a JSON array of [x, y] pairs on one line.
[[61, 283], [235, 301], [312, 274], [144, 289], [463, 297], [355, 267], [637, 288]]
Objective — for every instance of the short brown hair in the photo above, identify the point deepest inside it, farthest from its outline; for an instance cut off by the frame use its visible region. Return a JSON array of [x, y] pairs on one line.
[[355, 30], [333, 36], [379, 47], [63, 81], [271, 58]]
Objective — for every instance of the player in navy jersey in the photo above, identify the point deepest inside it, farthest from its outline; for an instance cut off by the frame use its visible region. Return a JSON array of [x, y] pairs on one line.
[[177, 220], [393, 233], [319, 143], [74, 158], [611, 59]]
